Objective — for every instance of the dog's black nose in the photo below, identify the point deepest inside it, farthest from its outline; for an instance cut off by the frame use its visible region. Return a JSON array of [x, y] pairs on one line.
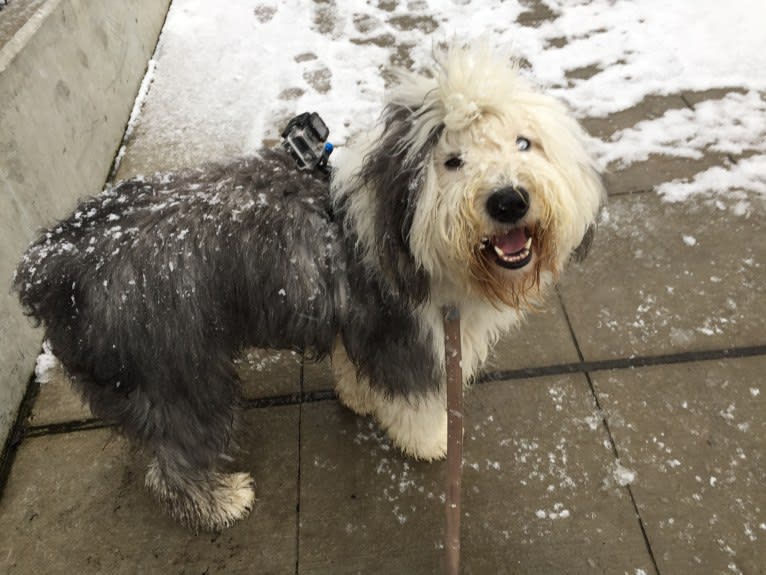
[[508, 205]]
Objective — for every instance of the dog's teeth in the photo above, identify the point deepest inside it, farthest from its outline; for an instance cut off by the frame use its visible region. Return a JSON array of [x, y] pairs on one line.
[[498, 251], [528, 244], [516, 257]]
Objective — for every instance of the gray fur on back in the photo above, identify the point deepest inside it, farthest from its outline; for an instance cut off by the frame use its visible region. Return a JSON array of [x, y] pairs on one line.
[[148, 290]]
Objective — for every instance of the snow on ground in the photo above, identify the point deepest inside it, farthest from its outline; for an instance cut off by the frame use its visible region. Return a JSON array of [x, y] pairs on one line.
[[733, 124], [747, 174], [653, 47], [229, 74]]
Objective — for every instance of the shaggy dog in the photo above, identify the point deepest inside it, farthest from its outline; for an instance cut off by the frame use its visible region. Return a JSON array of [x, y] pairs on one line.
[[474, 190]]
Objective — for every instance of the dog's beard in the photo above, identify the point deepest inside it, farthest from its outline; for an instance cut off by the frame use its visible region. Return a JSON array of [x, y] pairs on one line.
[[518, 285], [504, 264]]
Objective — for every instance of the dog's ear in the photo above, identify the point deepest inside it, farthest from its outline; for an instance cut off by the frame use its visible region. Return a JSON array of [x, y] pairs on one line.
[[582, 251], [394, 170]]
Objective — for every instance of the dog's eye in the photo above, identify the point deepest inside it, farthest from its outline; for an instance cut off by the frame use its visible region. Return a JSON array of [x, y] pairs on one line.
[[523, 144], [454, 163]]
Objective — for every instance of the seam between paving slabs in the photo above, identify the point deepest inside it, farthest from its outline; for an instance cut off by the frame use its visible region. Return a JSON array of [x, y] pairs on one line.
[[630, 192], [605, 423], [298, 398], [625, 363], [17, 433], [686, 101]]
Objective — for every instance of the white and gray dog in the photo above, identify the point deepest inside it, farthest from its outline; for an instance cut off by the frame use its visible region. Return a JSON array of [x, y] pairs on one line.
[[474, 191]]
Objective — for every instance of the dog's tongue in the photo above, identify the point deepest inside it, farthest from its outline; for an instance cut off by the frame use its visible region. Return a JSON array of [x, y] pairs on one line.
[[511, 242]]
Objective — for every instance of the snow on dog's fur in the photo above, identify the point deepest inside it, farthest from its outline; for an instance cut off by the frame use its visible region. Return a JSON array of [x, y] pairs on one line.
[[474, 190]]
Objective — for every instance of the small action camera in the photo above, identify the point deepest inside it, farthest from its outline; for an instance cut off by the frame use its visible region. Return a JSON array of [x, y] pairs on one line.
[[305, 138]]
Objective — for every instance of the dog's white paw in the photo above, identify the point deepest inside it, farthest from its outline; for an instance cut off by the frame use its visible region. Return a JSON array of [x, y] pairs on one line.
[[210, 502], [418, 430], [233, 499], [357, 398], [428, 447]]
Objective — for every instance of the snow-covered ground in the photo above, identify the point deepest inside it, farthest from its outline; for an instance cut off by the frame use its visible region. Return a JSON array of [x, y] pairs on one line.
[[227, 75]]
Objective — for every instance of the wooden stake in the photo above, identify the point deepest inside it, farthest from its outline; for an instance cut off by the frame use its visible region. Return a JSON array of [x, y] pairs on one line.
[[452, 349]]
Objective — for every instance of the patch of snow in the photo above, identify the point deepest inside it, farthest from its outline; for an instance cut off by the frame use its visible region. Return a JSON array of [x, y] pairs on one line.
[[622, 475], [135, 113], [46, 364], [730, 125], [648, 47], [558, 512], [593, 421], [748, 174]]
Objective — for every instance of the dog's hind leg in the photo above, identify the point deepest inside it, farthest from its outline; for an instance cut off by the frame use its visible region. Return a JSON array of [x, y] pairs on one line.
[[201, 499], [190, 442], [184, 414]]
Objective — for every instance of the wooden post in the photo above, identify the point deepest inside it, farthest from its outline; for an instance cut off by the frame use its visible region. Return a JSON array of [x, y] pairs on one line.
[[452, 349]]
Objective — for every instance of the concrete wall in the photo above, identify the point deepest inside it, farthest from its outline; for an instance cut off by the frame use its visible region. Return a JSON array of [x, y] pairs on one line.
[[68, 79]]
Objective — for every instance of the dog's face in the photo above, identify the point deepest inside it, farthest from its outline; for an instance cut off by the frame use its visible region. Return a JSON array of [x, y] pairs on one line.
[[481, 183], [506, 200]]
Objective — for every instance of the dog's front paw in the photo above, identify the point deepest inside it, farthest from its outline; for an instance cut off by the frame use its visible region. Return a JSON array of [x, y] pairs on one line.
[[359, 399], [428, 447], [419, 431]]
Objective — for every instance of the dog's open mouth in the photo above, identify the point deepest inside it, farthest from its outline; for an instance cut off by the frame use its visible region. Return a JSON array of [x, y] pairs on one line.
[[511, 249]]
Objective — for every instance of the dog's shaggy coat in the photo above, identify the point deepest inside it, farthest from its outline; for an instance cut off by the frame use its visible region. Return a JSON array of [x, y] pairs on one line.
[[473, 191]]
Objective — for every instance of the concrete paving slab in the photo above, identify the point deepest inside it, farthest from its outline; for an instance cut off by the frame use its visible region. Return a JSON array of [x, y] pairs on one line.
[[57, 402], [536, 457], [695, 435], [695, 98], [582, 73], [317, 375], [650, 108], [657, 169], [75, 503], [535, 13], [668, 277], [266, 373], [544, 339]]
